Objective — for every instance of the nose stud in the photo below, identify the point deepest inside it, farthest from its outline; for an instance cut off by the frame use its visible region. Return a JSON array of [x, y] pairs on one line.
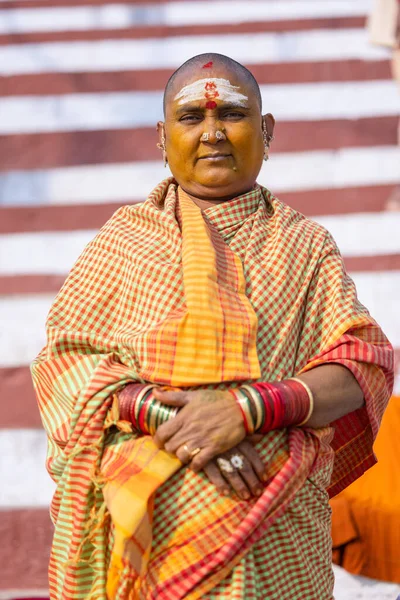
[[219, 135]]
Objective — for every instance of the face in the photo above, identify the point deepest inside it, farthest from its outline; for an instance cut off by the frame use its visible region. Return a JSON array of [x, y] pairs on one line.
[[226, 162]]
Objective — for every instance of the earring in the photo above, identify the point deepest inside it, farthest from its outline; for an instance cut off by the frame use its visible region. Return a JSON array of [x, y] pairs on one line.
[[204, 137], [161, 146], [267, 138], [220, 135]]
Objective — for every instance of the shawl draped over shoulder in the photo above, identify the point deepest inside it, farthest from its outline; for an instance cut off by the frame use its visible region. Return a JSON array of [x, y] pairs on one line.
[[165, 293]]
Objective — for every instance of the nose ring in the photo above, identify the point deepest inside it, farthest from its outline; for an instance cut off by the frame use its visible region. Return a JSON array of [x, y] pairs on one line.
[[219, 135]]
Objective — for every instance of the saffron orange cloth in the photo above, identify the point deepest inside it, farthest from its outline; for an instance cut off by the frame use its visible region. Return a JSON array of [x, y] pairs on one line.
[[370, 507], [271, 290]]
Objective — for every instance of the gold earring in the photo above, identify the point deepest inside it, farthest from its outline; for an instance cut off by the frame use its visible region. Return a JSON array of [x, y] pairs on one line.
[[161, 146], [267, 138]]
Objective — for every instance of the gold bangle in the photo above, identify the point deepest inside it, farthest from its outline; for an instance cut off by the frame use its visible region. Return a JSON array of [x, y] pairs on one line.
[[310, 397]]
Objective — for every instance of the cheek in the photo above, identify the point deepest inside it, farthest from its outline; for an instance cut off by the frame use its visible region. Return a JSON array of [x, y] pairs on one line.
[[248, 145], [181, 144]]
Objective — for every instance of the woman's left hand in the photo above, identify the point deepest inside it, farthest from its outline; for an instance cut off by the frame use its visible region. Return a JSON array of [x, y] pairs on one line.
[[240, 469], [209, 420]]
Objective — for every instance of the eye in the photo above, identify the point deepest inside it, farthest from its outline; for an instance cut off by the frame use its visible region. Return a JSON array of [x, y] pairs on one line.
[[233, 115], [190, 118]]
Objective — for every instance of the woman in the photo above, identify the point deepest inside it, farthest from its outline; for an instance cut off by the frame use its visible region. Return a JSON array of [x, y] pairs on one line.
[[217, 290]]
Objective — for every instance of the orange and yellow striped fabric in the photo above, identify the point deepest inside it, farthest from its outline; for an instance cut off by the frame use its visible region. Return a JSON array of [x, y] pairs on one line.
[[270, 288]]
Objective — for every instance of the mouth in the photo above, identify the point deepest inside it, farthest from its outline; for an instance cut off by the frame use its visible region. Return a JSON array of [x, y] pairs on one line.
[[216, 156]]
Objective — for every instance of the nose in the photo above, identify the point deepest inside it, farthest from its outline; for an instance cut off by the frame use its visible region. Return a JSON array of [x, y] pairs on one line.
[[213, 135]]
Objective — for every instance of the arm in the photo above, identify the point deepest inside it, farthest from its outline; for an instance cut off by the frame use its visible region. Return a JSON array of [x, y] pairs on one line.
[[335, 390], [336, 393]]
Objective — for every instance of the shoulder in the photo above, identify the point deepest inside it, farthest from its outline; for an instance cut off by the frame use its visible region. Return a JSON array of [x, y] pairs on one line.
[[134, 227], [294, 227]]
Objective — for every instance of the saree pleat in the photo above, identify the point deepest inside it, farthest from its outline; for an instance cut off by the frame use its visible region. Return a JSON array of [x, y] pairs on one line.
[[140, 305]]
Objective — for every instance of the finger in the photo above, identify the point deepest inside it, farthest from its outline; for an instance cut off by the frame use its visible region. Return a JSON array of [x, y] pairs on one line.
[[182, 448], [201, 459], [248, 474], [166, 431], [255, 438], [254, 458], [171, 398], [214, 475], [183, 453], [237, 483]]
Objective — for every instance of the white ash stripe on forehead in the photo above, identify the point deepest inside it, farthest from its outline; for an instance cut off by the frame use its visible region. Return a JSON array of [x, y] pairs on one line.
[[197, 91]]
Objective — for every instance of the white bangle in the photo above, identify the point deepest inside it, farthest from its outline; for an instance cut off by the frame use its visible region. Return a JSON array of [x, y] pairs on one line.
[[256, 402]]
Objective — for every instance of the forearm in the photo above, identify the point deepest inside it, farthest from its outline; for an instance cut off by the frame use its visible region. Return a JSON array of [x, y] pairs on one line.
[[314, 399], [336, 393]]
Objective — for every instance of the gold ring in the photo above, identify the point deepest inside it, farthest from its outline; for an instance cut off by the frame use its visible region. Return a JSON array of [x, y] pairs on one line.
[[191, 453]]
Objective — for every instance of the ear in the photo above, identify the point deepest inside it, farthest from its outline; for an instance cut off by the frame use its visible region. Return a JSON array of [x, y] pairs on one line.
[[269, 121], [161, 131]]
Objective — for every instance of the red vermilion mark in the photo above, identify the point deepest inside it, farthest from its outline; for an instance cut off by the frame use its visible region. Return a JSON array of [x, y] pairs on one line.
[[211, 104], [211, 91], [208, 65]]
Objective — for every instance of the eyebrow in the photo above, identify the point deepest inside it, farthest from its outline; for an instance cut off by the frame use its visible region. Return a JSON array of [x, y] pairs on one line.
[[224, 106]]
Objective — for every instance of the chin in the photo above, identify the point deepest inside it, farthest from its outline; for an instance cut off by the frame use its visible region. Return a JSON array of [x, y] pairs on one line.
[[211, 190], [217, 180]]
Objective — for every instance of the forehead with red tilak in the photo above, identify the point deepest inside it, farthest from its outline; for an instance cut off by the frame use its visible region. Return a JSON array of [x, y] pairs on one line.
[[210, 103], [209, 83]]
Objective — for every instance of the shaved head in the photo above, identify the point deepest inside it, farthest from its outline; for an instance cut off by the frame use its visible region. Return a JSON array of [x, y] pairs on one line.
[[207, 62]]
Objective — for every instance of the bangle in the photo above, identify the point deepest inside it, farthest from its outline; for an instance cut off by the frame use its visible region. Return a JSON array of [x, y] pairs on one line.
[[311, 399], [151, 415], [138, 405], [126, 400], [284, 403], [137, 417], [257, 403], [243, 403], [143, 409]]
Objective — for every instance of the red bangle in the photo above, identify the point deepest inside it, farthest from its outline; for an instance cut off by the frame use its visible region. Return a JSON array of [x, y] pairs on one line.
[[143, 412], [286, 403], [126, 398]]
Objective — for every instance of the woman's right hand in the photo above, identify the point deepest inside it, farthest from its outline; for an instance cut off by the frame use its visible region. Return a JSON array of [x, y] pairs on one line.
[[246, 475]]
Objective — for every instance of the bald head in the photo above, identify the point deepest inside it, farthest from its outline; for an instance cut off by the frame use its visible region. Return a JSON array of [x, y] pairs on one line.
[[209, 62]]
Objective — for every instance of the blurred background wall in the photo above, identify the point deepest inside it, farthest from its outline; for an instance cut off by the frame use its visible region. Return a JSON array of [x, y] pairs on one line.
[[80, 93]]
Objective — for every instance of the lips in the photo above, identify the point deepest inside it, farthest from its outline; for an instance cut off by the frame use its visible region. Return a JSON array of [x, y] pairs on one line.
[[214, 156]]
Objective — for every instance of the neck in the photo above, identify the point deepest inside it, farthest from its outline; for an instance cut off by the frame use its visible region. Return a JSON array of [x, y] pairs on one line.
[[204, 203]]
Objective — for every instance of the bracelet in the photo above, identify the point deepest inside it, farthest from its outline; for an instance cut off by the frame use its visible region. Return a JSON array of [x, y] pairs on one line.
[[126, 398], [310, 396], [243, 402], [282, 404], [138, 405], [257, 403]]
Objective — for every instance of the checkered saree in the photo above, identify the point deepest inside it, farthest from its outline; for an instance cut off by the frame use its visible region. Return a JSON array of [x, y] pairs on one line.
[[244, 290]]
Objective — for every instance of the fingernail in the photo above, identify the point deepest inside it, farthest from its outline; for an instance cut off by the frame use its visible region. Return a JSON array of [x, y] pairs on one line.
[[265, 477], [225, 492], [245, 495], [259, 491]]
